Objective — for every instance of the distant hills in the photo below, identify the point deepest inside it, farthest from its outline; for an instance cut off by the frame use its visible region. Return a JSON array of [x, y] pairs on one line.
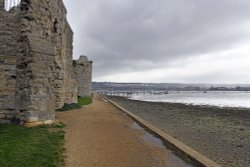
[[125, 87]]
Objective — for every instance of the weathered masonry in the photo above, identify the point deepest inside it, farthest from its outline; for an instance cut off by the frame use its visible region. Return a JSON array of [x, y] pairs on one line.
[[83, 69], [36, 71]]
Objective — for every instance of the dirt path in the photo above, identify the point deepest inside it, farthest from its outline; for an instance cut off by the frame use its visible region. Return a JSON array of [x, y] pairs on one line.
[[99, 135]]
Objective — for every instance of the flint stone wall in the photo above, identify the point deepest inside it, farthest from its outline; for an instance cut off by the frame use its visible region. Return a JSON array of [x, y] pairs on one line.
[[9, 33], [36, 72]]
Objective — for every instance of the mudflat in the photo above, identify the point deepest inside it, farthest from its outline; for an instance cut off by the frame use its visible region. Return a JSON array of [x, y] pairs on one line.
[[100, 135], [221, 134]]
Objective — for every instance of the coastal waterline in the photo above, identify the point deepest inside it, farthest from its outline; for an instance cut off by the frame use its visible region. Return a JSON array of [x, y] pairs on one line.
[[238, 99]]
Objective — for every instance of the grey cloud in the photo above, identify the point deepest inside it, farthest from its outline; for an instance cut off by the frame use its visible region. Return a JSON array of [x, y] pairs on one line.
[[129, 35]]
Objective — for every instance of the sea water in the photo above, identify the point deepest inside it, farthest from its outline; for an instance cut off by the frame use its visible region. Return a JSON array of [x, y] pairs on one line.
[[211, 98]]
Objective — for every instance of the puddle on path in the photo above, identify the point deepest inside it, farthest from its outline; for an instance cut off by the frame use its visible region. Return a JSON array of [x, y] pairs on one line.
[[153, 140], [177, 161], [149, 138], [105, 100], [136, 126], [171, 158], [124, 114]]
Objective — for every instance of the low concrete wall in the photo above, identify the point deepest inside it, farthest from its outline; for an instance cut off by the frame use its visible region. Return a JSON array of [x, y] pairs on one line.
[[193, 154]]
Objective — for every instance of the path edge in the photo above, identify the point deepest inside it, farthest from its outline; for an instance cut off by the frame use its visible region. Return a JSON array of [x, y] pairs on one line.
[[190, 152]]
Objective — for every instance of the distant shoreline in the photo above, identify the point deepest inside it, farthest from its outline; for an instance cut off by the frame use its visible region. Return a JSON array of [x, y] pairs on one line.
[[222, 134], [195, 105], [220, 99]]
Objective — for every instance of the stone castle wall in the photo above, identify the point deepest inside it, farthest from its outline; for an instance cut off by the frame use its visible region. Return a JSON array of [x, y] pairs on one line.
[[83, 70], [36, 72], [9, 33]]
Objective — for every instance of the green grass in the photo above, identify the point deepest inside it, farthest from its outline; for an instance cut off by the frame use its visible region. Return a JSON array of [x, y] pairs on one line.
[[31, 147], [81, 102], [67, 107], [84, 100]]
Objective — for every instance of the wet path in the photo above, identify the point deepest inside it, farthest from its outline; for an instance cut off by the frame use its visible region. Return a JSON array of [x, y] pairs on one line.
[[100, 135]]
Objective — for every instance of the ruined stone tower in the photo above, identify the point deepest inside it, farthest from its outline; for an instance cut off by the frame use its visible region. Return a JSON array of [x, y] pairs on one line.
[[83, 69], [36, 72]]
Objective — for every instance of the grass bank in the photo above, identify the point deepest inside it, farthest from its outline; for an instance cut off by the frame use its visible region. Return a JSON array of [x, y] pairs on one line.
[[31, 147], [84, 100]]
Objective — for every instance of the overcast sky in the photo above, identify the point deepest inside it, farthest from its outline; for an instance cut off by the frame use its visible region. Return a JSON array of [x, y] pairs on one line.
[[188, 41]]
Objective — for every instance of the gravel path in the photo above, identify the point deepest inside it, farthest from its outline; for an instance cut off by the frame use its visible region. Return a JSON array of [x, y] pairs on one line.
[[221, 134], [100, 135]]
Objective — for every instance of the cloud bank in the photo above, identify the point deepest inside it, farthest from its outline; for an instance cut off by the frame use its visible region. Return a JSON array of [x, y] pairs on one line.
[[164, 41]]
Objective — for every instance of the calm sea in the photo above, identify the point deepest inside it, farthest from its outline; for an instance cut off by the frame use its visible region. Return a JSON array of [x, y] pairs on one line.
[[212, 98]]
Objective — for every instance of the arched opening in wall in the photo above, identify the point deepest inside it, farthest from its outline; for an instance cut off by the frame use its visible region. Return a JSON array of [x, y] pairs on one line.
[[11, 3]]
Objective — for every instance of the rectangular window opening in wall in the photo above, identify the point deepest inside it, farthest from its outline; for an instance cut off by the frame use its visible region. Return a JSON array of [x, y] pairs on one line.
[[10, 4]]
